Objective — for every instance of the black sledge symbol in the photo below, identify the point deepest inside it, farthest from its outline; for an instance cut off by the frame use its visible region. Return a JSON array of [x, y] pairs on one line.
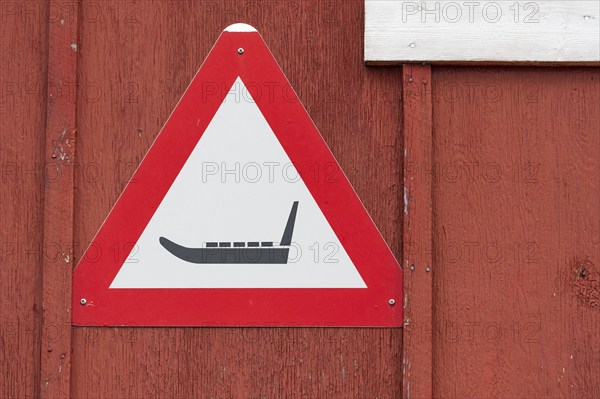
[[240, 252]]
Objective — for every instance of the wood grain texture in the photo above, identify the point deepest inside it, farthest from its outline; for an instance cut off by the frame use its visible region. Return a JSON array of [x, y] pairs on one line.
[[549, 31], [23, 45], [60, 132], [516, 232], [417, 236], [136, 60]]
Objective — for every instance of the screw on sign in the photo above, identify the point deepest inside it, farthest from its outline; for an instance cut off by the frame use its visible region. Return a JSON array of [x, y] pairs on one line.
[[229, 251]]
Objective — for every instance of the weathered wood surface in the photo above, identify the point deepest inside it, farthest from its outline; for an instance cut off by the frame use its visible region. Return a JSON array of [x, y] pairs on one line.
[[61, 127], [23, 45], [549, 31], [516, 232], [516, 254], [133, 69], [417, 260]]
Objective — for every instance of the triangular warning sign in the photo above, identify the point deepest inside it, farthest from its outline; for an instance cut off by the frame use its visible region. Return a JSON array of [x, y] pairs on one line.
[[238, 215]]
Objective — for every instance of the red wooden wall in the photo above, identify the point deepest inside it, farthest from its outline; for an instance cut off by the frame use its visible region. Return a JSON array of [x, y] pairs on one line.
[[516, 204], [24, 46], [492, 173]]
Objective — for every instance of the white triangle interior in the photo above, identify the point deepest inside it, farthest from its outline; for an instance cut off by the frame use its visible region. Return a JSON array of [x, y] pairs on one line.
[[238, 185]]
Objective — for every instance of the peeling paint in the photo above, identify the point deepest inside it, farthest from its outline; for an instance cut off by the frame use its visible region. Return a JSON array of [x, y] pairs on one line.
[[61, 145], [584, 279]]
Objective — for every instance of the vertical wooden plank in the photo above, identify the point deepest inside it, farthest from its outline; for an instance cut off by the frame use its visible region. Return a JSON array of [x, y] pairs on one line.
[[417, 238], [23, 43], [124, 97], [58, 202]]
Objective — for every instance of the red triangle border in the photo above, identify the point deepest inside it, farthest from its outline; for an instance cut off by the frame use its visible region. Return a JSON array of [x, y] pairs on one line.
[[236, 306]]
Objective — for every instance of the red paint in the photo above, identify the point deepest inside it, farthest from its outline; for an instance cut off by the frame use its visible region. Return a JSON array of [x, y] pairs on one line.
[[418, 221], [61, 127], [150, 183]]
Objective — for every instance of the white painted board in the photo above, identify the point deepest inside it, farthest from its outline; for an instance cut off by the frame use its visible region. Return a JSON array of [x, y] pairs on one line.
[[548, 31]]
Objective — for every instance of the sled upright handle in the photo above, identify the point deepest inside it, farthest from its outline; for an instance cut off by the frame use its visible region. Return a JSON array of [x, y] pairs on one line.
[[289, 227]]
